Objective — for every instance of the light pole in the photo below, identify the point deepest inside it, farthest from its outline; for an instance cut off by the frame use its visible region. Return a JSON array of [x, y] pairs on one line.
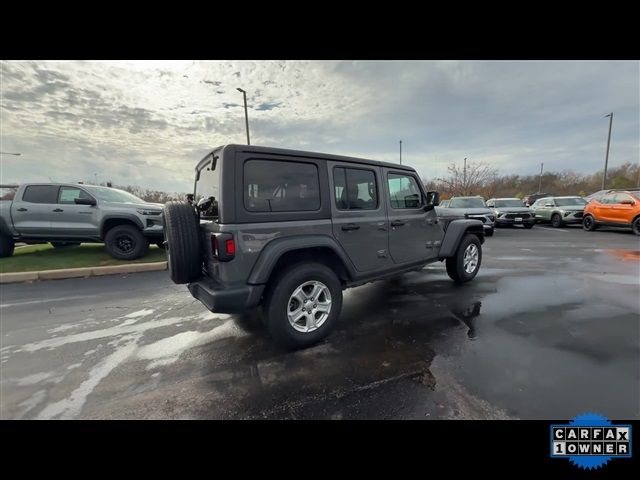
[[464, 177], [9, 153], [400, 152], [246, 115], [540, 182], [606, 158]]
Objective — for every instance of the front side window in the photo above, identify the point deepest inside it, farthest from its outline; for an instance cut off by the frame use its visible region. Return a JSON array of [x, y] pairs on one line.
[[404, 191], [355, 189], [69, 195], [41, 194], [278, 186]]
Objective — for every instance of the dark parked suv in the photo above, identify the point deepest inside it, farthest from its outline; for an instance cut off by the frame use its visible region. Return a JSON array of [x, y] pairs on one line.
[[289, 230]]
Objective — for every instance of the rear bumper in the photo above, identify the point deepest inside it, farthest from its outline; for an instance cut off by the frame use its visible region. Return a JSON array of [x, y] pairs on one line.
[[220, 299]]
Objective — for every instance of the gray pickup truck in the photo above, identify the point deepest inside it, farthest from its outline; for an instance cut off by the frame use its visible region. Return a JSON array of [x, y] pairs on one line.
[[67, 214]]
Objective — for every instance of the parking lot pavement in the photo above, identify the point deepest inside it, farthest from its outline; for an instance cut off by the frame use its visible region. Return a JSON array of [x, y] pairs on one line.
[[550, 328]]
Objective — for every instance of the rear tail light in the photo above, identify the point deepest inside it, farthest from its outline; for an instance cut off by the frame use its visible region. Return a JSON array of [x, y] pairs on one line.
[[223, 247]]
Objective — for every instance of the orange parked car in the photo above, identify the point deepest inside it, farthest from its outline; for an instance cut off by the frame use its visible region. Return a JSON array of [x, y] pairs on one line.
[[617, 209]]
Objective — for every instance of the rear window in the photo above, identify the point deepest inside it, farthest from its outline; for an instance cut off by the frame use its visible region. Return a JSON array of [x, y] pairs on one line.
[[277, 186], [208, 181], [569, 202], [40, 194]]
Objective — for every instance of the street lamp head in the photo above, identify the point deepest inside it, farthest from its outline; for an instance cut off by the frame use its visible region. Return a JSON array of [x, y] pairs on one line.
[[240, 90]]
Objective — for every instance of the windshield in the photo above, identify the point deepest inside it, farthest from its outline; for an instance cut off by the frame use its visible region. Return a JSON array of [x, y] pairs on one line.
[[567, 202], [472, 202], [508, 203], [113, 194]]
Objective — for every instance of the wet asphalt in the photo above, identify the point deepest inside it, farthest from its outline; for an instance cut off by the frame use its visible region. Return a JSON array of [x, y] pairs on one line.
[[550, 328]]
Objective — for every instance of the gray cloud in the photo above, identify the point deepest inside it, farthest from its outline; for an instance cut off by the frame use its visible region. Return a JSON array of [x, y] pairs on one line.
[[149, 122]]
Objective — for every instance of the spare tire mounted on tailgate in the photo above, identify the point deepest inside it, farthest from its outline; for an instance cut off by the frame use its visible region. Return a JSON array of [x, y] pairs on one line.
[[182, 236]]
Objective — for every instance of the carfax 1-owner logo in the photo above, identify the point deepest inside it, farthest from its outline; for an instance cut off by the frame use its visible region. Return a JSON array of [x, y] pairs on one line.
[[590, 441]]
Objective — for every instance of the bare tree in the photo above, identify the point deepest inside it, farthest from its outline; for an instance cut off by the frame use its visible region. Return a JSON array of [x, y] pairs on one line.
[[478, 178]]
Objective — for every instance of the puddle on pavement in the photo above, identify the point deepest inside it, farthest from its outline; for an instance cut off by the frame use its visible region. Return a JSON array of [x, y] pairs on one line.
[[631, 255]]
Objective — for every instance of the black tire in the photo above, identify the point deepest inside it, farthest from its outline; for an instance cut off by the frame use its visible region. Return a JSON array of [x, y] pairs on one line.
[[64, 244], [126, 242], [7, 244], [635, 226], [529, 226], [556, 220], [455, 264], [588, 223], [276, 305], [489, 233], [182, 236]]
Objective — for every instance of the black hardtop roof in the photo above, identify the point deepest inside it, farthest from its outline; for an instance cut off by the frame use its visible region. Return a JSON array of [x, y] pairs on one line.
[[302, 153]]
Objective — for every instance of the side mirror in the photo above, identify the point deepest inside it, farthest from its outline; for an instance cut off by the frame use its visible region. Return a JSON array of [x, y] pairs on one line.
[[433, 199], [85, 201]]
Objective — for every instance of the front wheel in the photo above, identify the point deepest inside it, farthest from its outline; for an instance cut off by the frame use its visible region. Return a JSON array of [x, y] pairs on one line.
[[588, 223], [126, 242], [464, 265], [556, 221], [303, 305], [635, 226]]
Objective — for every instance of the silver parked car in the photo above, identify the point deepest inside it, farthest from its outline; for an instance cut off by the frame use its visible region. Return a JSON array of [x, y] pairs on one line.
[[559, 210], [510, 211], [470, 207], [66, 214]]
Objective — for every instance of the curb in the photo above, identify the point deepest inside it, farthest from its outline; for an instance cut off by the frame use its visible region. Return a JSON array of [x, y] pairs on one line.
[[18, 277]]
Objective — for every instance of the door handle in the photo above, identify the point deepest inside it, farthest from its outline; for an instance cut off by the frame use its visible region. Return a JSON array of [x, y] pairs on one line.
[[23, 209], [397, 223], [58, 210], [351, 226]]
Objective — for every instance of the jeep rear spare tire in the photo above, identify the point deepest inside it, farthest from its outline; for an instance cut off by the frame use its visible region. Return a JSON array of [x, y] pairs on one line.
[[182, 242], [463, 266]]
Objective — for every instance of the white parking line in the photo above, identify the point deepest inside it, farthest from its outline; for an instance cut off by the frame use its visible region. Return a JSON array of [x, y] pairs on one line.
[[555, 229]]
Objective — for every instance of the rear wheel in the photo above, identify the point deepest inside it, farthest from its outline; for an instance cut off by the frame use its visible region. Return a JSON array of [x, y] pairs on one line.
[[7, 245], [556, 220], [464, 265], [588, 223], [182, 242], [303, 305], [635, 226], [126, 242]]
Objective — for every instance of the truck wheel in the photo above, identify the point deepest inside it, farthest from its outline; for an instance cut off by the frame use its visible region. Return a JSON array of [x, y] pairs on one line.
[[64, 244], [126, 242], [182, 236], [588, 223], [6, 246], [464, 265], [556, 220], [302, 305]]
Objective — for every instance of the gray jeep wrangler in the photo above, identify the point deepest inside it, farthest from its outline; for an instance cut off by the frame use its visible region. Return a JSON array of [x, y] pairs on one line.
[[289, 230]]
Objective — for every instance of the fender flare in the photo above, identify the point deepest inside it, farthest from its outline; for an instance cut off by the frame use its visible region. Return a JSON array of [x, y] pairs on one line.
[[120, 216], [455, 231], [274, 250]]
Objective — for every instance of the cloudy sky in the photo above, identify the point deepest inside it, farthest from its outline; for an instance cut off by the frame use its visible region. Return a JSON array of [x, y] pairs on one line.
[[147, 123]]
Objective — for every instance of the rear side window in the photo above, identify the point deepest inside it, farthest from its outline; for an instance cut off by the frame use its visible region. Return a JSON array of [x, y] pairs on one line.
[[404, 191], [277, 186], [40, 194], [69, 195], [355, 189]]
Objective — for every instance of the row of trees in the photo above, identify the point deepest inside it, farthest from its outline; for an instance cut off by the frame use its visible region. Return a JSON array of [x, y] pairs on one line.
[[484, 180]]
